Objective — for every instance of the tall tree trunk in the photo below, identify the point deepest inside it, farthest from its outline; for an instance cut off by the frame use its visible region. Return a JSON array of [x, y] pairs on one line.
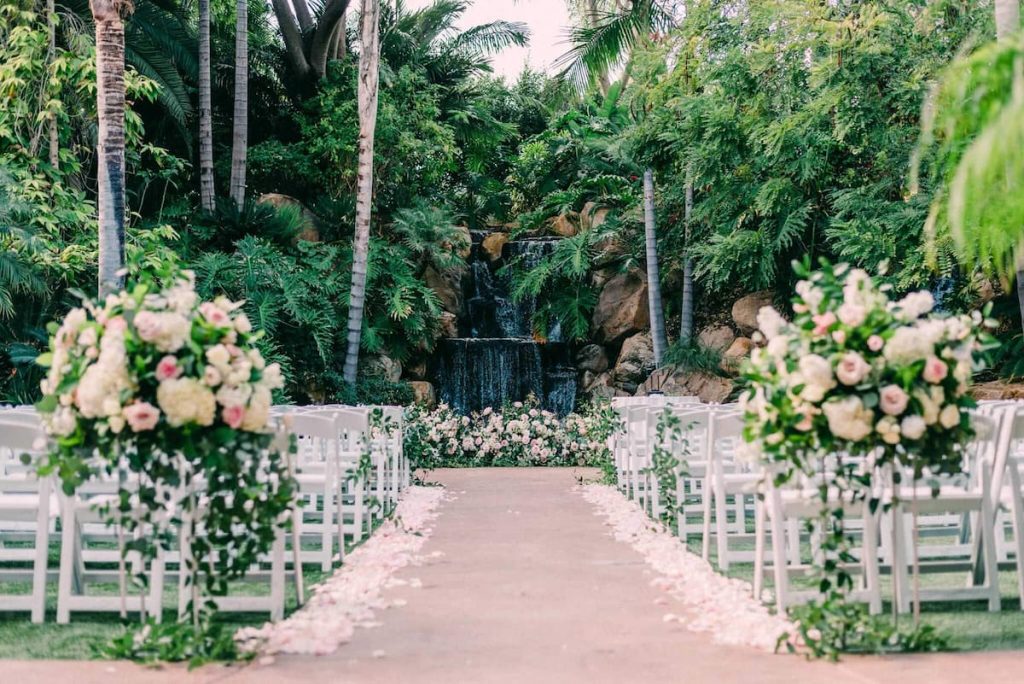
[[51, 21], [110, 141], [1007, 18], [1007, 24], [341, 46], [653, 277], [369, 58], [206, 191], [686, 314], [240, 134]]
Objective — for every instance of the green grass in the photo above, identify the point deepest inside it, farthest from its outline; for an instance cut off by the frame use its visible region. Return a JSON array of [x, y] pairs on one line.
[[968, 625], [20, 639]]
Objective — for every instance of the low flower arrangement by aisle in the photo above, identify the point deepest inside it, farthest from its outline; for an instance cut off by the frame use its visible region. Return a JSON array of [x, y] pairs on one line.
[[517, 434], [170, 397], [855, 382]]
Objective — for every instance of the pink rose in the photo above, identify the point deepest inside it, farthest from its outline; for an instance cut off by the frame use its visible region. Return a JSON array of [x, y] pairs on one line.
[[893, 400], [935, 370], [875, 343], [167, 368], [852, 368], [116, 324], [148, 325], [141, 416], [822, 322], [214, 315], [233, 415]]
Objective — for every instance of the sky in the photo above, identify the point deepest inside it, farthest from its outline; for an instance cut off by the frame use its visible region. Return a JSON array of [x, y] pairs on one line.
[[547, 19]]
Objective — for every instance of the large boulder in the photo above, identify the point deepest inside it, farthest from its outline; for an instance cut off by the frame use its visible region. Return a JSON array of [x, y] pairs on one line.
[[383, 367], [423, 393], [745, 310], [565, 225], [621, 308], [734, 355], [600, 386], [675, 382], [310, 231], [447, 286], [592, 358], [635, 362], [717, 337], [997, 390], [493, 244], [593, 215], [416, 370]]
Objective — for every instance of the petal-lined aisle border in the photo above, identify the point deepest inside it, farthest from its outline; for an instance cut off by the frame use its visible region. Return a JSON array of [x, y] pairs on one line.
[[350, 597], [723, 606]]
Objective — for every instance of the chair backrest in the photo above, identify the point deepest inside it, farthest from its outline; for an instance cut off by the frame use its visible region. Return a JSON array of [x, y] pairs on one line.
[[21, 417]]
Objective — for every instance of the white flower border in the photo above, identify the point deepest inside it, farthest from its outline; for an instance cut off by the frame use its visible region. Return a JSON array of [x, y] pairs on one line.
[[722, 606], [350, 597]]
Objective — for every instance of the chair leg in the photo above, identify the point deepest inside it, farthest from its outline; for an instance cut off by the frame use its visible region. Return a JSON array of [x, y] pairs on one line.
[[277, 579], [67, 561], [869, 558], [759, 534], [39, 563], [156, 589], [779, 568], [721, 528], [1017, 519], [988, 523], [706, 494]]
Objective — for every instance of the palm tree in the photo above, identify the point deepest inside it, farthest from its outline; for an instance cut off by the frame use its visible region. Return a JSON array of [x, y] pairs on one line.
[[369, 72], [686, 308], [110, 140], [206, 191], [599, 46], [308, 43], [51, 25], [653, 277], [240, 131]]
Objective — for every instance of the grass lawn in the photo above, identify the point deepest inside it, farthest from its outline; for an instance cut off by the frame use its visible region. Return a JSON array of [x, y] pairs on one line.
[[19, 638]]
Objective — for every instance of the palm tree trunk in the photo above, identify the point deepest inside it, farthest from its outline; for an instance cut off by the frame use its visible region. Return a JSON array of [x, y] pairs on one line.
[[369, 58], [1007, 18], [240, 134], [686, 315], [110, 142], [51, 21], [653, 277], [206, 191]]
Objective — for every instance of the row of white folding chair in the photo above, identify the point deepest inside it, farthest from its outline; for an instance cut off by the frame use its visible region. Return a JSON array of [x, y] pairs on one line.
[[965, 497], [27, 509]]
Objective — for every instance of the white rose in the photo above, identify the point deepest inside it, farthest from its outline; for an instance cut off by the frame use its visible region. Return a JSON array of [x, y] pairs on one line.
[[848, 419], [950, 416], [913, 427], [770, 322], [852, 314], [816, 373], [915, 305], [889, 430], [219, 356]]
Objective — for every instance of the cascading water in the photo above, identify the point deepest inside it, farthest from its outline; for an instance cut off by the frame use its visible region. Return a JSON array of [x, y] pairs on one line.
[[497, 359]]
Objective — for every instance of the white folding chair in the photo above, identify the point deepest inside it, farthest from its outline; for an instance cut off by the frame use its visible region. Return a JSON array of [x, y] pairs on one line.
[[27, 509]]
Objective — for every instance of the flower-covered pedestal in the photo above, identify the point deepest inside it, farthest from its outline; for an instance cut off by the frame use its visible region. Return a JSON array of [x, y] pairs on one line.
[[858, 386], [170, 398]]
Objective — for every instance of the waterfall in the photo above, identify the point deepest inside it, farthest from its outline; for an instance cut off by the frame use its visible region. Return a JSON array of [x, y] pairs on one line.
[[497, 359]]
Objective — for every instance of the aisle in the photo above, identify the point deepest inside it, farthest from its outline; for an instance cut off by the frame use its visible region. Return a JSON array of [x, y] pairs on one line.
[[531, 589]]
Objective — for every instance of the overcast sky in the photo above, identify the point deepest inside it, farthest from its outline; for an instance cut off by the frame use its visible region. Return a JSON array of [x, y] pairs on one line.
[[547, 19]]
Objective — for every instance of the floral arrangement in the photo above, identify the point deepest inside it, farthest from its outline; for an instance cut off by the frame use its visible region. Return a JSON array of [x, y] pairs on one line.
[[517, 434], [856, 371], [165, 391]]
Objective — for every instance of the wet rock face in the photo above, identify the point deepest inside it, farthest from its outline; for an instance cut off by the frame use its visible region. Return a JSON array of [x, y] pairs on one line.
[[635, 362], [744, 311], [592, 358], [622, 308]]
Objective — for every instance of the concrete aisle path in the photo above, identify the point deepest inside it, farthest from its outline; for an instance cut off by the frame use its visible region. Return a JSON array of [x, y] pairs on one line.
[[531, 589]]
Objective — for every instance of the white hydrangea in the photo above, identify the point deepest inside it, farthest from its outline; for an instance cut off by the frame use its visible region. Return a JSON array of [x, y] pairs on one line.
[[770, 322], [848, 418], [186, 400]]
